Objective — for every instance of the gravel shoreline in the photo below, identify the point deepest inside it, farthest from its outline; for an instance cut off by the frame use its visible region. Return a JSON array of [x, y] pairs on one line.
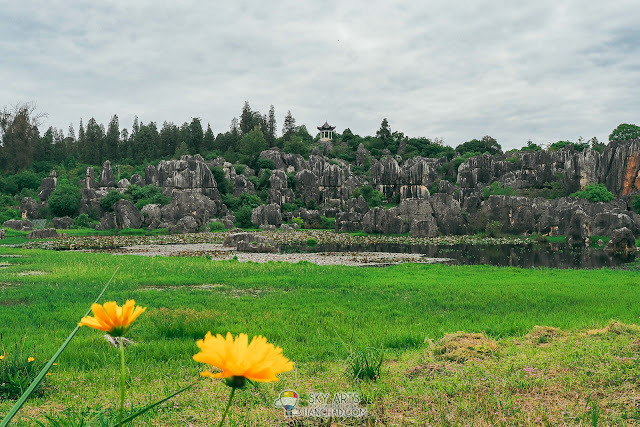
[[221, 252]]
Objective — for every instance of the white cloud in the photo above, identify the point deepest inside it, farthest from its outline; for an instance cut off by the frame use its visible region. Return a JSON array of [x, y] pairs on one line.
[[544, 71]]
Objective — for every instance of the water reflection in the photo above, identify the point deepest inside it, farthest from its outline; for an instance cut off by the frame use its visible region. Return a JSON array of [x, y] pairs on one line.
[[552, 255]]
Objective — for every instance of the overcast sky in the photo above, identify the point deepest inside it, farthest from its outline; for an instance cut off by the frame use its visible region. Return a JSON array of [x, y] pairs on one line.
[[543, 70]]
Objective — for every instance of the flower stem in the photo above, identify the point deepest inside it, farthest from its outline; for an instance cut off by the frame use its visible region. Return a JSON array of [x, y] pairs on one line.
[[233, 390], [123, 375]]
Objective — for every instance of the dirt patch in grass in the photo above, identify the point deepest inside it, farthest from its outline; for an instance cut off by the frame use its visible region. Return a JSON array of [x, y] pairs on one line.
[[431, 370], [226, 290], [178, 288], [8, 284], [462, 346], [616, 328], [32, 273], [540, 335], [13, 302]]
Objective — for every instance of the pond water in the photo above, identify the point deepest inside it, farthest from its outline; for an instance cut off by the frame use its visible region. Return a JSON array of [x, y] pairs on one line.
[[552, 255]]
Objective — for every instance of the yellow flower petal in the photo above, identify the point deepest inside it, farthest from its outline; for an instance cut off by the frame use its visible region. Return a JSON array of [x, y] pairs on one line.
[[30, 359], [112, 318], [257, 361]]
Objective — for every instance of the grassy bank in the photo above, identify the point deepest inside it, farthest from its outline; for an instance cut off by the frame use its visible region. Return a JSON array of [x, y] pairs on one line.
[[318, 315]]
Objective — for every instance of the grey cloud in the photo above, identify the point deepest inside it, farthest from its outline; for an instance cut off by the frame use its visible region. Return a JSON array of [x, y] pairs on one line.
[[544, 71]]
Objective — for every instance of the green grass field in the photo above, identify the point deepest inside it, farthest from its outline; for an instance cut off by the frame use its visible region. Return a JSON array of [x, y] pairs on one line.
[[318, 315]]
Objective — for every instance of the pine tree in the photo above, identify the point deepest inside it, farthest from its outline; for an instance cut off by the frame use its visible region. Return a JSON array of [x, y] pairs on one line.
[[270, 134], [195, 136], [208, 140], [289, 127], [246, 119], [112, 140]]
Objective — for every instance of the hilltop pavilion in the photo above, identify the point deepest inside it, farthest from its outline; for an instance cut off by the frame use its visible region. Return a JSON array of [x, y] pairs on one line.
[[326, 131]]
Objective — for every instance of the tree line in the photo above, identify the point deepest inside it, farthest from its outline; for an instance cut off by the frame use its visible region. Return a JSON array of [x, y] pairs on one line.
[[22, 146]]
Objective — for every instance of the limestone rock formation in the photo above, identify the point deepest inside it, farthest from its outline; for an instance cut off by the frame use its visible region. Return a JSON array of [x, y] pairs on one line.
[[45, 233], [267, 215], [249, 242], [31, 207], [127, 215], [186, 224], [123, 184], [151, 175], [107, 222], [448, 214], [61, 223], [622, 240], [136, 179], [48, 186], [106, 178], [242, 185], [189, 173], [184, 203], [18, 224]]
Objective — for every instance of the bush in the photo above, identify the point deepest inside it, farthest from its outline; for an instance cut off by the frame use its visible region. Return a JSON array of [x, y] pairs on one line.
[[498, 189], [265, 164], [494, 229], [65, 200], [224, 185], [82, 221], [14, 184], [636, 204], [595, 193], [110, 199], [216, 226], [298, 220], [373, 197], [150, 194], [365, 364], [327, 223], [8, 214], [243, 216]]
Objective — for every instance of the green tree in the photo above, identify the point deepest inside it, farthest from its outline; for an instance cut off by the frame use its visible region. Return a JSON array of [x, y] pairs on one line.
[[596, 145], [531, 147], [196, 136], [251, 145], [485, 145], [384, 133], [270, 134], [296, 146], [625, 132], [110, 199], [595, 193], [65, 200], [289, 126], [208, 140], [247, 122], [168, 139], [18, 136], [181, 150], [112, 140]]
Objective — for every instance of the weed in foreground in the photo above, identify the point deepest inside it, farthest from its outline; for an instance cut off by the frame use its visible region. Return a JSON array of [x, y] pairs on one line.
[[365, 364], [17, 371]]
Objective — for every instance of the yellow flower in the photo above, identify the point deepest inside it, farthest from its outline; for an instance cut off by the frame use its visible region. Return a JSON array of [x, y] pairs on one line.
[[31, 359], [239, 360], [1, 357], [112, 318]]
